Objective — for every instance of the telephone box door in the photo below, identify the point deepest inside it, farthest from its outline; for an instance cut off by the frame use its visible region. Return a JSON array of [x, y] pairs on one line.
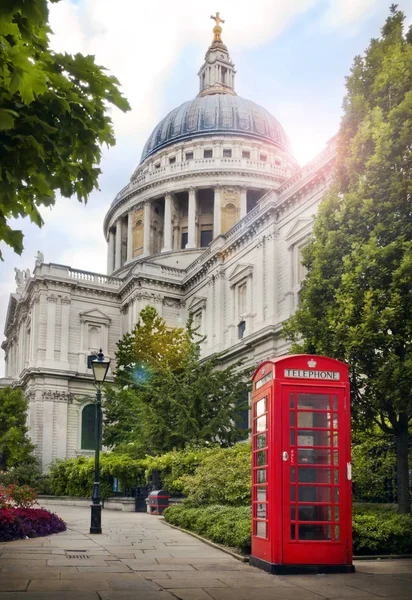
[[314, 475]]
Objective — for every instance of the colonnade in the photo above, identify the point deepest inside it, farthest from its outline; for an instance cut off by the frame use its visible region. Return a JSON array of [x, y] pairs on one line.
[[120, 239]]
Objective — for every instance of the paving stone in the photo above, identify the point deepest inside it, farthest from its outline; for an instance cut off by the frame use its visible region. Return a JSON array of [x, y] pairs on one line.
[[77, 595], [154, 566], [99, 576], [68, 585], [121, 585], [190, 582], [192, 594], [28, 574], [12, 584], [116, 595], [258, 593], [118, 568]]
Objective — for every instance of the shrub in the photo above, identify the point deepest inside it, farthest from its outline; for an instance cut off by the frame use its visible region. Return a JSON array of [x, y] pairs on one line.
[[381, 530], [28, 473], [376, 529], [227, 525], [19, 523], [223, 477], [17, 496]]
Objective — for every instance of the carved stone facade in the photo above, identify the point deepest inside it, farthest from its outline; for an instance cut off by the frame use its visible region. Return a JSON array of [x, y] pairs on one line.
[[211, 223]]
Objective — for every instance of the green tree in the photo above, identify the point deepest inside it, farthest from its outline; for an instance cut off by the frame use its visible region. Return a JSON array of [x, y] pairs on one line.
[[356, 301], [15, 447], [53, 118], [166, 397]]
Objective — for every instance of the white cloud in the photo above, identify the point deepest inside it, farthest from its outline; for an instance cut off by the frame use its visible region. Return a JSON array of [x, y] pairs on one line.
[[347, 15]]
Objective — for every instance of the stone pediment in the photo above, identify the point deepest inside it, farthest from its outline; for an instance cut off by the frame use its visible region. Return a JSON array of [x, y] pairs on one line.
[[196, 303], [299, 230], [239, 273], [95, 316]]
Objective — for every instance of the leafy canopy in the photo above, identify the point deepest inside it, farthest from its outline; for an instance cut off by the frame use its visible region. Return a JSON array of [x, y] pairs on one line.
[[53, 118], [15, 447], [356, 301], [168, 398]]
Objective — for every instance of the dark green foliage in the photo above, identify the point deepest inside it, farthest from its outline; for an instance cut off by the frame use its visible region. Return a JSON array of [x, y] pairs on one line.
[[356, 301], [381, 530], [53, 118], [230, 526], [15, 447], [75, 476], [27, 473], [168, 398]]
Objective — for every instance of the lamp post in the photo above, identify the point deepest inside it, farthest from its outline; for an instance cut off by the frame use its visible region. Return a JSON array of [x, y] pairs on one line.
[[100, 367]]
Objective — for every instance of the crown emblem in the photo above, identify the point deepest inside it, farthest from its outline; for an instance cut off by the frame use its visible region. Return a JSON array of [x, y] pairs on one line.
[[263, 370], [312, 363]]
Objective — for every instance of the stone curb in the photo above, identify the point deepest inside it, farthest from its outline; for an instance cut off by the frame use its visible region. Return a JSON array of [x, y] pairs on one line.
[[224, 549], [383, 557]]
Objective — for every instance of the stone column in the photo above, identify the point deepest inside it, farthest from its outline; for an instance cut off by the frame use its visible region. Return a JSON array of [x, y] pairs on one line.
[[217, 217], [129, 236], [118, 253], [51, 328], [191, 237], [64, 341], [147, 214], [243, 202], [167, 226], [110, 254]]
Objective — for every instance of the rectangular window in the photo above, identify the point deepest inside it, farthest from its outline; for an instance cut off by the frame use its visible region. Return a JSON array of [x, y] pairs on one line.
[[184, 240], [189, 155], [227, 153], [245, 154], [263, 157], [207, 153], [206, 237], [172, 160], [241, 328]]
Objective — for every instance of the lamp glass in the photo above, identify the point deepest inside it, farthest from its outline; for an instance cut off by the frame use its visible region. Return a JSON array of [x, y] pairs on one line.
[[100, 369]]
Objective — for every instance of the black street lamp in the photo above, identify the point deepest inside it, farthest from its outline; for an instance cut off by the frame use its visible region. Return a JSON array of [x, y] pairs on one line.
[[100, 368]]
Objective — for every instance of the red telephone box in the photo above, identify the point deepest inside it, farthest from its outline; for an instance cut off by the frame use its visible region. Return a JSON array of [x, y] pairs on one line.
[[302, 504]]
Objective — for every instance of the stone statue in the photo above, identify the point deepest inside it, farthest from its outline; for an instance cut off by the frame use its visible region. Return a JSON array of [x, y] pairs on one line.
[[19, 277], [217, 30], [27, 274], [39, 258]]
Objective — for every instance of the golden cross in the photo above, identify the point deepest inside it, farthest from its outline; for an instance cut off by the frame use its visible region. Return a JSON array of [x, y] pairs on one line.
[[217, 18]]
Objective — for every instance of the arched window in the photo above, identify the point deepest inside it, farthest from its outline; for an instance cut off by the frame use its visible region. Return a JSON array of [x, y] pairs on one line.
[[94, 337], [88, 441]]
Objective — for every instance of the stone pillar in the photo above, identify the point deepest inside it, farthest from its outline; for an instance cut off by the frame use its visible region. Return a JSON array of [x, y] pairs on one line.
[[47, 441], [243, 202], [118, 253], [167, 227], [147, 215], [191, 237], [110, 254], [129, 236], [51, 328], [64, 341], [217, 217]]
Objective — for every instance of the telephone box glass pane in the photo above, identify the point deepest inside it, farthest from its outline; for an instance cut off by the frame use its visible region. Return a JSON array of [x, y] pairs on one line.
[[314, 456], [336, 496], [336, 476], [313, 475], [261, 458], [313, 438], [335, 402], [335, 457], [336, 513], [261, 475], [308, 512], [337, 532], [315, 532], [292, 492], [261, 511], [292, 419], [311, 419], [261, 528], [293, 532], [261, 494], [314, 493], [292, 400], [315, 401], [260, 407], [292, 473], [293, 512], [261, 441], [292, 437], [261, 423], [335, 439]]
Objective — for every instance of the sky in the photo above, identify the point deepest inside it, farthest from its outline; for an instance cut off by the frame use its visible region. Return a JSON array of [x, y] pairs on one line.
[[291, 56]]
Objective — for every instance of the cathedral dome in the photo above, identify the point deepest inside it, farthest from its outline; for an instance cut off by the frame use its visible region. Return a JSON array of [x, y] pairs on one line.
[[218, 113]]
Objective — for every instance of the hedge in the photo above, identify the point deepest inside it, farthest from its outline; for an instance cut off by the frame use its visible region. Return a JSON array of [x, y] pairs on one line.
[[22, 523], [227, 525], [376, 530]]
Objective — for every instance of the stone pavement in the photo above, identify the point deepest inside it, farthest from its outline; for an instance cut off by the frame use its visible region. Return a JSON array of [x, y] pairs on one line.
[[138, 557]]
